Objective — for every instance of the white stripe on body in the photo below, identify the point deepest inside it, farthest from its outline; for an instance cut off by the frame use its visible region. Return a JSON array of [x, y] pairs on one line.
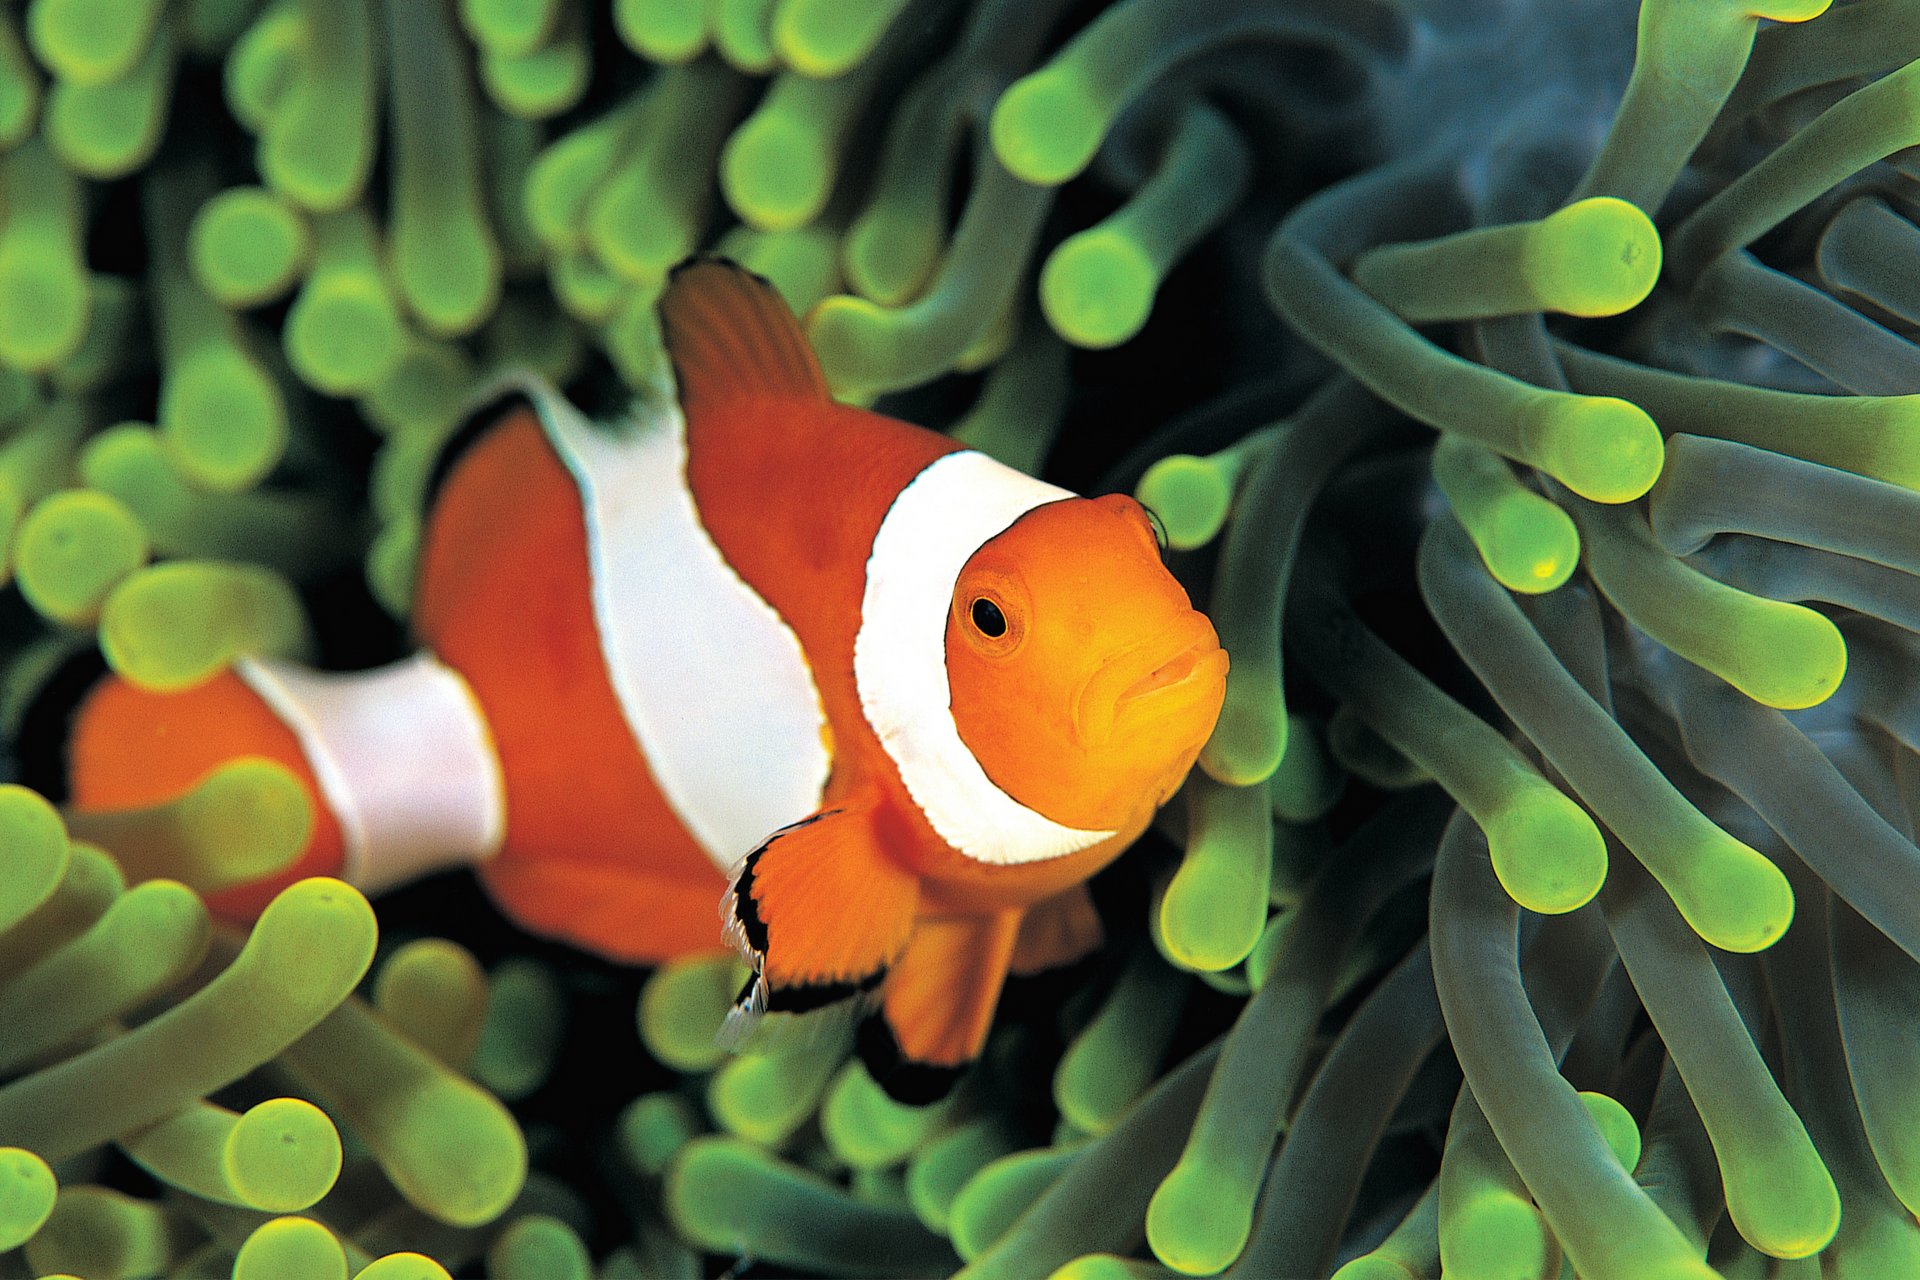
[[403, 758], [938, 521], [713, 683]]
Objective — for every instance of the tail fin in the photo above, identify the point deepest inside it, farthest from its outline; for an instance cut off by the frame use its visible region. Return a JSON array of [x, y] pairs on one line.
[[135, 757], [395, 768]]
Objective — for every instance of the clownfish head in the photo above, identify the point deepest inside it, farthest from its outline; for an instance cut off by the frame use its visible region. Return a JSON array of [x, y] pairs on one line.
[[1081, 678]]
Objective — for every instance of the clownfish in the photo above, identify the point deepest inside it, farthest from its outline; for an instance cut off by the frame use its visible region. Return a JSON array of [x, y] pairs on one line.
[[886, 701]]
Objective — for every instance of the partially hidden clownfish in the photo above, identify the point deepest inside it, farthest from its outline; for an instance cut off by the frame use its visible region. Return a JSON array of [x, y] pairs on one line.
[[906, 698]]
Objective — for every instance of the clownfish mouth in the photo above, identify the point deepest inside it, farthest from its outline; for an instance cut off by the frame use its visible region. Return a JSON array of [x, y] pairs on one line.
[[1147, 679], [1168, 674]]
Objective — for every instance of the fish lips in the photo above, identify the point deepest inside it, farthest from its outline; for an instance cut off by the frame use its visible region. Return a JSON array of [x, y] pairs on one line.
[[1150, 682]]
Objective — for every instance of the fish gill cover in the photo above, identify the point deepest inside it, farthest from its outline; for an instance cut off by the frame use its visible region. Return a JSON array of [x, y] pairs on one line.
[[1526, 386]]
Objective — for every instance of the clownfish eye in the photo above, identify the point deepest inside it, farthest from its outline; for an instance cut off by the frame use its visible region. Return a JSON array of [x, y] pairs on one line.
[[987, 618]]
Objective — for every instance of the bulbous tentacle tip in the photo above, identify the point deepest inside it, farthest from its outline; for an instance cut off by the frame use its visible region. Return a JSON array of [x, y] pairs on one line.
[[654, 1127], [43, 310], [1097, 288], [403, 1266], [1616, 1125], [670, 32], [1496, 1233], [1250, 738], [520, 1034], [247, 246], [852, 337], [1530, 547], [867, 1128], [1547, 853], [244, 821], [282, 1156], [222, 417], [1046, 127], [683, 1005], [1791, 1210], [1595, 257], [89, 42], [37, 852], [1190, 498], [1603, 448], [1105, 1266], [1793, 657], [291, 1249], [539, 1246], [775, 172], [170, 626], [1735, 898], [1789, 10], [27, 1192], [1198, 1221], [1211, 915], [343, 335], [823, 39], [72, 549], [1371, 1266]]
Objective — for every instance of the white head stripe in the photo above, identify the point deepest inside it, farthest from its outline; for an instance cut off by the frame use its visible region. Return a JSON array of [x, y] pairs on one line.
[[402, 757], [936, 524], [713, 683]]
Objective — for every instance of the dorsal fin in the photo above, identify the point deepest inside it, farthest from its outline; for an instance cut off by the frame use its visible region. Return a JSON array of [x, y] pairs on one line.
[[473, 426], [730, 336]]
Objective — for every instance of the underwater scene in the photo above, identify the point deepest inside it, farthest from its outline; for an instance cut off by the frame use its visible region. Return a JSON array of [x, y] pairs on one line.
[[1527, 391]]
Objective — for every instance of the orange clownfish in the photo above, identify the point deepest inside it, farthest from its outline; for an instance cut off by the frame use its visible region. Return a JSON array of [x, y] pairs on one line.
[[907, 698]]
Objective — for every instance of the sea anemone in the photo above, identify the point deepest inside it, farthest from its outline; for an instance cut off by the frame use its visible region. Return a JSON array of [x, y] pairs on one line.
[[1527, 387]]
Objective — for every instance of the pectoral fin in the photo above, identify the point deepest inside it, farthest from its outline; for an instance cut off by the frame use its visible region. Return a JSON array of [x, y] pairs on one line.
[[938, 1004], [819, 913], [1057, 931]]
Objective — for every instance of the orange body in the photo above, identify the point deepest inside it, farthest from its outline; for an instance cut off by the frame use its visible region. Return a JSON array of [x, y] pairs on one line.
[[593, 853], [1071, 722]]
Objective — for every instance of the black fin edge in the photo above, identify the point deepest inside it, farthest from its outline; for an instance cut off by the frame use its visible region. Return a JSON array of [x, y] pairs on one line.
[[746, 912], [740, 914], [806, 997], [40, 744], [747, 932], [483, 418], [908, 1082], [691, 261]]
